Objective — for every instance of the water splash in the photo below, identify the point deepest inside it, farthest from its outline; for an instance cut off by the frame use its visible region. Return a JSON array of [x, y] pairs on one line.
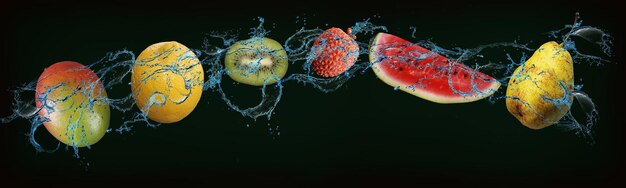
[[569, 122], [114, 67], [604, 41], [58, 98]]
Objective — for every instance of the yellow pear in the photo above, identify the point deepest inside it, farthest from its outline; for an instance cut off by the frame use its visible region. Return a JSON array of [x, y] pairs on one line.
[[538, 94]]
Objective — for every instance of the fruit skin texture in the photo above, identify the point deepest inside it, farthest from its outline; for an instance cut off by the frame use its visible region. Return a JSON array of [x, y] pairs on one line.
[[425, 74], [538, 94], [167, 81], [335, 52], [256, 61], [73, 102]]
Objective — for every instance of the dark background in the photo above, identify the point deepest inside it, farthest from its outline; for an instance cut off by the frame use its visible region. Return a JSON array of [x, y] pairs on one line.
[[364, 134]]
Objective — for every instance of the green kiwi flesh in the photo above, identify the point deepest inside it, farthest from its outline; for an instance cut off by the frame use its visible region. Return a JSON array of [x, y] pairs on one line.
[[256, 61]]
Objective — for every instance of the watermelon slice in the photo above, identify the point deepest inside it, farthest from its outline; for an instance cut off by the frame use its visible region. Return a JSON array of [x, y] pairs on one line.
[[425, 74]]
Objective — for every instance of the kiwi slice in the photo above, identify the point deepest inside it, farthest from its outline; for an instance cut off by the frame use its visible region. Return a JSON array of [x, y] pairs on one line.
[[256, 61]]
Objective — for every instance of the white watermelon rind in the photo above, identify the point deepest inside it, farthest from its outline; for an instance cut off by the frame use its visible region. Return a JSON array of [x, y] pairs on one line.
[[422, 93]]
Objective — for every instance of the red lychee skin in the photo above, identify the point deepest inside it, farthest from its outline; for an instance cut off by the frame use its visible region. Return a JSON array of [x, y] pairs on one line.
[[336, 52]]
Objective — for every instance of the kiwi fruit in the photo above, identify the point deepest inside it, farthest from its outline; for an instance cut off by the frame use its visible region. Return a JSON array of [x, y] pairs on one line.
[[256, 61]]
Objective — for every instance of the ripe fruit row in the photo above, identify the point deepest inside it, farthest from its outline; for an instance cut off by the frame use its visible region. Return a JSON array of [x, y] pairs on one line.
[[167, 81]]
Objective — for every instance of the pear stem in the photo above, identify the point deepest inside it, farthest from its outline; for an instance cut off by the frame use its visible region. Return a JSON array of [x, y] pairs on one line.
[[572, 30]]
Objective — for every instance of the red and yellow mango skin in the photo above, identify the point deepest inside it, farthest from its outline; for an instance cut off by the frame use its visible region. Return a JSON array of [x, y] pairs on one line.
[[72, 104]]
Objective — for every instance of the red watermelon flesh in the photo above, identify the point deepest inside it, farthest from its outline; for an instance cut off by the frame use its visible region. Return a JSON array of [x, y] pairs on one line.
[[428, 75]]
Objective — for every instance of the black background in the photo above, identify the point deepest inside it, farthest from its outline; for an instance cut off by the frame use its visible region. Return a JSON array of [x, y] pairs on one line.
[[364, 134]]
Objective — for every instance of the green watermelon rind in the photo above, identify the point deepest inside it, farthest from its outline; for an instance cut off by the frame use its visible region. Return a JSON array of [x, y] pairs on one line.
[[419, 92]]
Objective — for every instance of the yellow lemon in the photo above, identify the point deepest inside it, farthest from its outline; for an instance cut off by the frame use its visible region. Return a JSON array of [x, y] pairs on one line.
[[167, 81]]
